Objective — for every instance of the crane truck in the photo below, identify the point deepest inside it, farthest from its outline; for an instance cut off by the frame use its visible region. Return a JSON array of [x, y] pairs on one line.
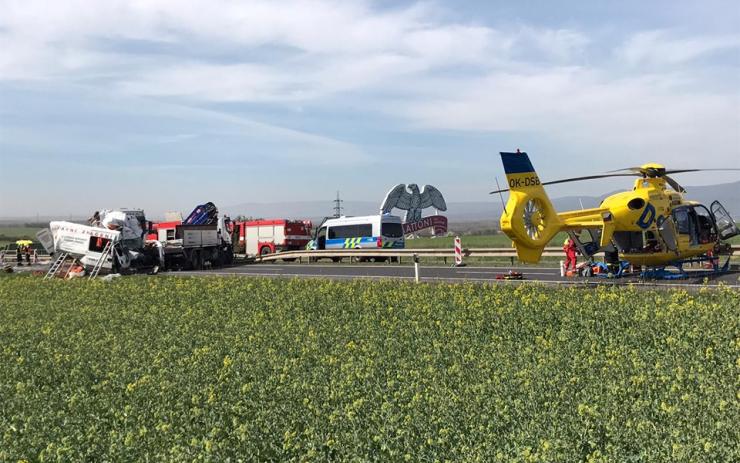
[[123, 241]]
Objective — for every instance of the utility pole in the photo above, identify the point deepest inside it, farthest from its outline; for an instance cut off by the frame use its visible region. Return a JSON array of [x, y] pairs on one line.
[[338, 206]]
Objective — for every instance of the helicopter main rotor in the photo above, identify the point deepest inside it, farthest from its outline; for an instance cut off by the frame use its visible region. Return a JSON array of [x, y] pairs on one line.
[[645, 171]]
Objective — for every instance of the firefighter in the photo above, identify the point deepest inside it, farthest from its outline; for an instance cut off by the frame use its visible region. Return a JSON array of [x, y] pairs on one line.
[[569, 247]]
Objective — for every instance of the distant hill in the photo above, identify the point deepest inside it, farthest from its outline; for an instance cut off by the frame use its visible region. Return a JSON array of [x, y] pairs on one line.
[[727, 193], [462, 211], [485, 214]]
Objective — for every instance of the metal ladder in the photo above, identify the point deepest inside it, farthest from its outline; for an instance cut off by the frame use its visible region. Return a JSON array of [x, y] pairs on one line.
[[103, 257], [56, 266]]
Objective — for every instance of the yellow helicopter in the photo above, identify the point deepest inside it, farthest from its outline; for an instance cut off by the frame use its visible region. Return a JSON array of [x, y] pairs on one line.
[[650, 225]]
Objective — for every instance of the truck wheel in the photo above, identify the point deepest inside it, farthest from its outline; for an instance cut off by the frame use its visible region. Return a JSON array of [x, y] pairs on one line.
[[196, 260], [265, 251]]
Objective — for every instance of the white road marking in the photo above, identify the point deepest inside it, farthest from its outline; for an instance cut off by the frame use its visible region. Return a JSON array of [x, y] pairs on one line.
[[299, 265], [377, 277], [499, 273]]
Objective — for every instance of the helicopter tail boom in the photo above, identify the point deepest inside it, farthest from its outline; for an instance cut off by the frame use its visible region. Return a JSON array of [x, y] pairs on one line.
[[529, 219]]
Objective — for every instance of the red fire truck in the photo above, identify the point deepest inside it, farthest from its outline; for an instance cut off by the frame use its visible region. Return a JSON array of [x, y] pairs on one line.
[[271, 235]]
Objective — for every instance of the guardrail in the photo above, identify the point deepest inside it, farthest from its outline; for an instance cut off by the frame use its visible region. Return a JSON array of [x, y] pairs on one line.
[[8, 256], [380, 253], [444, 253], [401, 253]]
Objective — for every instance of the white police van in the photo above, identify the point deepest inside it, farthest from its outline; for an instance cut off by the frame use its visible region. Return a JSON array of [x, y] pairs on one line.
[[372, 231]]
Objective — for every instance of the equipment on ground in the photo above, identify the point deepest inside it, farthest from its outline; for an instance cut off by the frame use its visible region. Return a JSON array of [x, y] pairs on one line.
[[510, 275], [604, 270], [649, 225], [104, 255], [56, 265]]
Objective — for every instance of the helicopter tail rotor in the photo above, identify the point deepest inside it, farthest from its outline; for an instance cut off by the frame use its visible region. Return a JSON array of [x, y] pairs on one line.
[[529, 219]]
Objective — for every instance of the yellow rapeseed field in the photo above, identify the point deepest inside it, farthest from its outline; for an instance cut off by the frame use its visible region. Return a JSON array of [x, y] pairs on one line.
[[238, 369]]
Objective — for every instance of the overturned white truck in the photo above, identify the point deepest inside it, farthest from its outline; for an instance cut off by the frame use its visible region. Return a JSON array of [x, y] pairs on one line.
[[123, 241]]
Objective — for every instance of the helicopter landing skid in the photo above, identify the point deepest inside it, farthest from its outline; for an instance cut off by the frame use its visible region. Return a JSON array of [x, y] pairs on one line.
[[662, 273]]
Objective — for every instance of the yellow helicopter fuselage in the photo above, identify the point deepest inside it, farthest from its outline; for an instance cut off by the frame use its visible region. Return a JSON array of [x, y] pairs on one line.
[[641, 221]]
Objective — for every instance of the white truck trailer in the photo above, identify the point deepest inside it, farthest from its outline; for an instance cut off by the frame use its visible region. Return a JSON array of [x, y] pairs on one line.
[[122, 241]]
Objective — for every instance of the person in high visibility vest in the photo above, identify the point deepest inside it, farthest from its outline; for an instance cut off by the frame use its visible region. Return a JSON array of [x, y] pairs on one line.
[[569, 247]]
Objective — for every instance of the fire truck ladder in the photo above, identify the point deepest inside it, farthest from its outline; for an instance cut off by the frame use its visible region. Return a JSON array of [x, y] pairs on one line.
[[56, 266], [103, 257]]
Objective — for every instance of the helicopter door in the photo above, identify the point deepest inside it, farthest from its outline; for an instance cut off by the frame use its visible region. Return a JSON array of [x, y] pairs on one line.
[[667, 231], [725, 225], [587, 241]]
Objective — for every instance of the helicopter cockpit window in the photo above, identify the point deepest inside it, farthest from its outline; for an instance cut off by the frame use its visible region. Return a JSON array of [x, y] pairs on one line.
[[681, 217]]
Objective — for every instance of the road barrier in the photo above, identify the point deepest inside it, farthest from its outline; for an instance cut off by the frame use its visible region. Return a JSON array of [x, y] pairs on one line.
[[388, 254], [458, 252], [8, 256]]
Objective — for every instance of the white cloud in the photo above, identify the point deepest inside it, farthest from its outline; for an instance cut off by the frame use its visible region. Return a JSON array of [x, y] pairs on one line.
[[558, 44], [411, 62], [658, 48], [325, 47], [655, 116]]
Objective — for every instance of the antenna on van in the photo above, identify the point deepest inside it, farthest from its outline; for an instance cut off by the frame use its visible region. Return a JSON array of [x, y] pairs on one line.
[[338, 206]]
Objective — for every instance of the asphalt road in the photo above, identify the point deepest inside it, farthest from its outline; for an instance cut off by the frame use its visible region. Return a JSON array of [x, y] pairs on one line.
[[436, 273], [429, 274]]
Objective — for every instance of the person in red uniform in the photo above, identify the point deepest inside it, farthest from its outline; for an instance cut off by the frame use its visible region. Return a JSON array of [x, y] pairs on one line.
[[569, 247]]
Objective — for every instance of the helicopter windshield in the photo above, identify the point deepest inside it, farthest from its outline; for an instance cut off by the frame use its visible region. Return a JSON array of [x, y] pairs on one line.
[[696, 222]]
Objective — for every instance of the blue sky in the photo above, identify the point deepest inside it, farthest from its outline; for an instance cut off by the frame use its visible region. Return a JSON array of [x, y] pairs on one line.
[[164, 104]]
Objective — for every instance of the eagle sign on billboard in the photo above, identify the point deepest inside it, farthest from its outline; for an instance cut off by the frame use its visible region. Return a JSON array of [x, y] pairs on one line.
[[413, 201]]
